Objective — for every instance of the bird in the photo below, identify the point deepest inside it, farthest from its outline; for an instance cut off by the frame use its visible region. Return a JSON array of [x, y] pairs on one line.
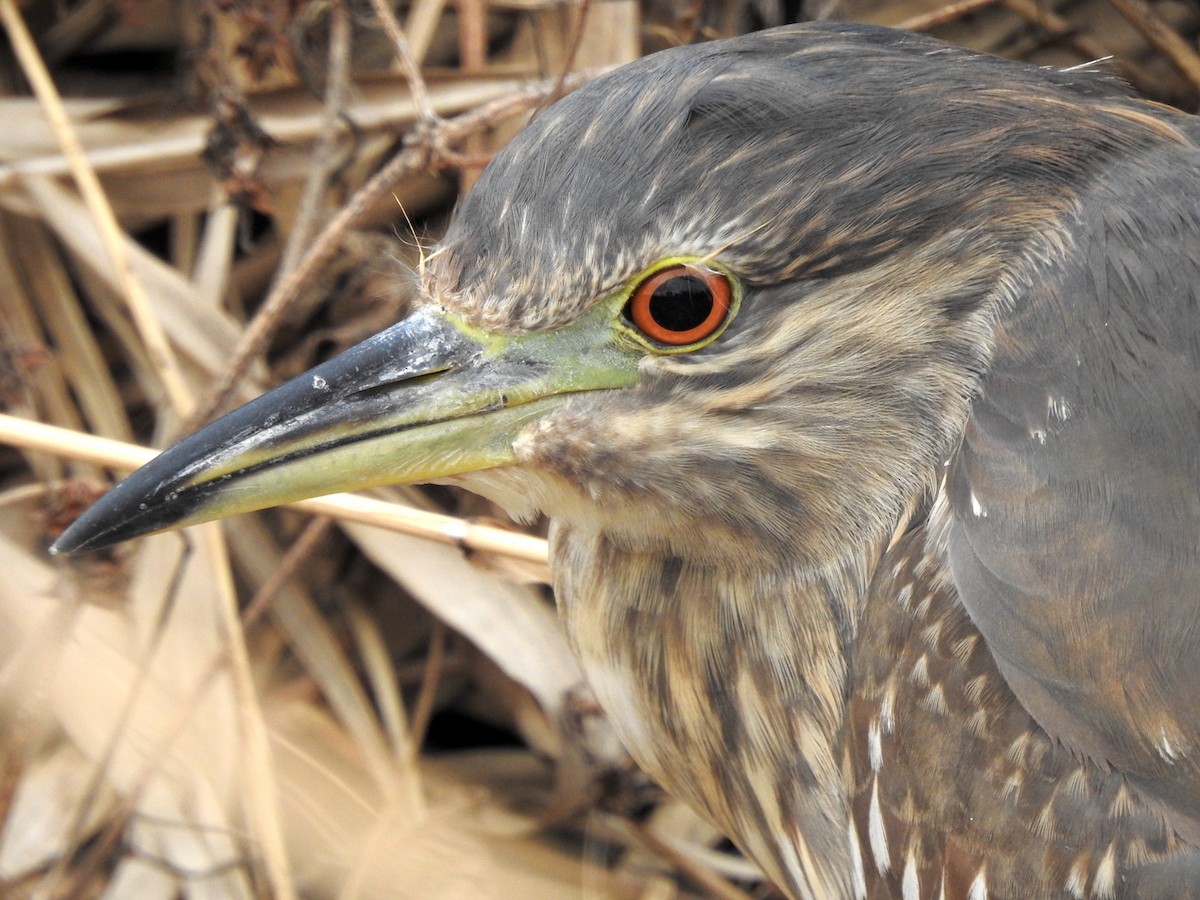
[[859, 377]]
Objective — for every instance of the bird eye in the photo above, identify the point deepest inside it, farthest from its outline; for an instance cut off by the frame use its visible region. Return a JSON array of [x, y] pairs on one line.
[[681, 304]]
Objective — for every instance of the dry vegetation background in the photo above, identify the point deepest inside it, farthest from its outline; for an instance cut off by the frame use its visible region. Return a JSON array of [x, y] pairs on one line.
[[197, 200]]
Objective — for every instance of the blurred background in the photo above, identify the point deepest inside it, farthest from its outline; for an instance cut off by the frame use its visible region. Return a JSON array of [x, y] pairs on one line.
[[199, 199]]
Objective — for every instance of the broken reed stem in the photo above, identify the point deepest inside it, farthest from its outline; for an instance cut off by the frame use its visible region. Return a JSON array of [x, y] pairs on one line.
[[261, 799], [98, 206], [112, 454], [426, 155]]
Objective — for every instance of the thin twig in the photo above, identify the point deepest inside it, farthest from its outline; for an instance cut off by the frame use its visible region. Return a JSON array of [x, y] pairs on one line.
[[446, 134], [581, 20], [430, 679], [1041, 16], [420, 25], [408, 61], [699, 874], [1161, 36], [74, 873], [299, 553], [112, 454], [337, 89], [944, 14]]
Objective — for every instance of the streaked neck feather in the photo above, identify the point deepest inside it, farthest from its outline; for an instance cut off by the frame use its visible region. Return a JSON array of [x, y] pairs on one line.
[[735, 705]]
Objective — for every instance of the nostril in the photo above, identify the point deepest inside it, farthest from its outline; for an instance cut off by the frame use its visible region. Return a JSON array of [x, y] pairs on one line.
[[386, 387]]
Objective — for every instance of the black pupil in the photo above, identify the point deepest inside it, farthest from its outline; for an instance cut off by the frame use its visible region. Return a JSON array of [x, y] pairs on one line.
[[681, 303]]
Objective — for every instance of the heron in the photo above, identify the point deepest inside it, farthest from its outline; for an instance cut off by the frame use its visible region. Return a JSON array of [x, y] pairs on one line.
[[859, 377]]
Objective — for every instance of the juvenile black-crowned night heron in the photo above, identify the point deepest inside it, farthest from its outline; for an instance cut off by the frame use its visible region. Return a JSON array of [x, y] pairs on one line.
[[860, 376]]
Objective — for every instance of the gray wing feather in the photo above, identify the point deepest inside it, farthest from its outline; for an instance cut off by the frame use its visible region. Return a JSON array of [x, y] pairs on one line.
[[1075, 496]]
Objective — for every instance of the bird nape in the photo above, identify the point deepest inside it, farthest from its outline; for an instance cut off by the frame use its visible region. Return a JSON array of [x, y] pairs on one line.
[[860, 378]]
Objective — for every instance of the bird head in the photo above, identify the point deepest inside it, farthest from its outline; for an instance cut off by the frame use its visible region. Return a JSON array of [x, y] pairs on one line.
[[722, 314], [726, 300]]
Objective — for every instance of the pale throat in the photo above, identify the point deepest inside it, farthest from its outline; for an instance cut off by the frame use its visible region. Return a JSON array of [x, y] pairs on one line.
[[729, 688]]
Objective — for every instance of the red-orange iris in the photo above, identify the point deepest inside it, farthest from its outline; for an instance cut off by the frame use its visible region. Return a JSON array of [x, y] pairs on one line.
[[681, 304]]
